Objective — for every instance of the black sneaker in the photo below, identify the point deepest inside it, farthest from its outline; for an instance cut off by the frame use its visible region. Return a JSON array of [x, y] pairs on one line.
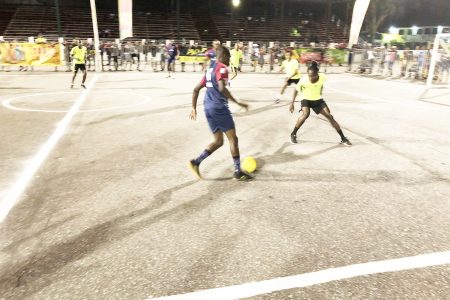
[[293, 139], [195, 169], [83, 86], [277, 101], [241, 176], [346, 142]]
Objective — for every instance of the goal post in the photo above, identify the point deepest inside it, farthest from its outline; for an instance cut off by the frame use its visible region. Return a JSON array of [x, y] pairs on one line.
[[438, 74]]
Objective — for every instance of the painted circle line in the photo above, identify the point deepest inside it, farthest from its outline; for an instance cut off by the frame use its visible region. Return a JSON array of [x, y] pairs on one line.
[[8, 102]]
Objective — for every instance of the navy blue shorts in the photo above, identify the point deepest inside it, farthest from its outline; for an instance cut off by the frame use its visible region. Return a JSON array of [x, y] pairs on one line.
[[219, 119], [171, 60]]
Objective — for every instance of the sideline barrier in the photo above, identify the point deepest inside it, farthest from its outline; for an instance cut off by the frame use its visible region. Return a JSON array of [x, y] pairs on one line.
[[193, 59], [332, 56]]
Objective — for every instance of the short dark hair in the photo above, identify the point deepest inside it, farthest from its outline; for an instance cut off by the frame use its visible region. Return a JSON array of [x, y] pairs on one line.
[[221, 50], [314, 67]]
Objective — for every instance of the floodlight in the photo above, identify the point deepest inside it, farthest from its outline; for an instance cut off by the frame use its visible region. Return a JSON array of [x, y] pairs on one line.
[[393, 30]]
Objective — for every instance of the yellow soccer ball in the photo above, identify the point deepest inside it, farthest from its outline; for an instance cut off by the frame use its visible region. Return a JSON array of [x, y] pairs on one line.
[[249, 164]]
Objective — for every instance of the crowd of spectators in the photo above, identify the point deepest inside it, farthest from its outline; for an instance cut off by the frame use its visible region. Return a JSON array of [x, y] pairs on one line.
[[386, 61], [389, 61]]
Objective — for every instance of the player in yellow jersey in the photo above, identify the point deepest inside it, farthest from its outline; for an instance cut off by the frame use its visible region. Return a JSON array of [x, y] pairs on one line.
[[311, 87], [236, 56], [78, 55], [290, 66]]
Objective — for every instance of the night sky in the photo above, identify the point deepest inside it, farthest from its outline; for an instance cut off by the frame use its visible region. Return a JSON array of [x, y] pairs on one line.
[[421, 13]]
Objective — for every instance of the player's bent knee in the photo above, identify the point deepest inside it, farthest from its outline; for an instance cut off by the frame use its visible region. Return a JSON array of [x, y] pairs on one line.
[[219, 143]]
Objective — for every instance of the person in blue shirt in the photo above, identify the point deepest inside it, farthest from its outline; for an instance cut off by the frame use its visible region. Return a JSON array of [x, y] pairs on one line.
[[172, 52], [217, 112]]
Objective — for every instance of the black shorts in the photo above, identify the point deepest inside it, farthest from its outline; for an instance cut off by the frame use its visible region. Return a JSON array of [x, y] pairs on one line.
[[316, 105], [293, 81], [81, 67]]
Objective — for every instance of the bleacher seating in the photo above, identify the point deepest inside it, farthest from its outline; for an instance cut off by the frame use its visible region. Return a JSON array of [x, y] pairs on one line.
[[6, 14], [28, 21], [76, 22], [269, 29]]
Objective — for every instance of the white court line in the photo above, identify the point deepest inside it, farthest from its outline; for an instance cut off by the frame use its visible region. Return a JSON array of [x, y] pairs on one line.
[[14, 193], [391, 100], [303, 280], [7, 103]]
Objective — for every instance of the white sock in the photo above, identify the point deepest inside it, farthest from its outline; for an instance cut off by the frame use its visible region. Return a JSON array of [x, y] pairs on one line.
[[279, 96]]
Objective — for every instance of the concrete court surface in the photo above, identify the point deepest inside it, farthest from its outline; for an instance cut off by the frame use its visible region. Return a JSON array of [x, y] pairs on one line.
[[113, 212]]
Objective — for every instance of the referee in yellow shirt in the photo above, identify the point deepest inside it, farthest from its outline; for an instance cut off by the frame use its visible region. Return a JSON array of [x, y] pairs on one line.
[[78, 55], [236, 56], [311, 87], [290, 65]]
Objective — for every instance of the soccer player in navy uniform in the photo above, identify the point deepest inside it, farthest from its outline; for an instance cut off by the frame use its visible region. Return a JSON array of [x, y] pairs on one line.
[[173, 53], [217, 112], [211, 52]]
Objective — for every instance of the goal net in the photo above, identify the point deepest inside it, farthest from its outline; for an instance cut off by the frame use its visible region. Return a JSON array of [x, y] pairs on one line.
[[438, 73]]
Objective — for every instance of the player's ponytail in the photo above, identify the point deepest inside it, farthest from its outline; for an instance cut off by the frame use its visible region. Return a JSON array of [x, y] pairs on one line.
[[314, 67]]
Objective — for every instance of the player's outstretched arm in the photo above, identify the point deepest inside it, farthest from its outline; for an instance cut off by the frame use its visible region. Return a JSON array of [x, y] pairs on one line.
[[224, 91], [193, 114], [293, 74], [292, 106]]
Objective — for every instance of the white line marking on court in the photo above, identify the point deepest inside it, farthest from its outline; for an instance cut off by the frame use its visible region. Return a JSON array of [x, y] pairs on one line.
[[391, 100], [7, 103], [14, 193], [303, 280]]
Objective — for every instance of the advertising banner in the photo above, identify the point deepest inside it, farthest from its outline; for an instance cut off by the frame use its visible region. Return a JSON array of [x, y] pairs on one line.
[[26, 54], [196, 59], [125, 18]]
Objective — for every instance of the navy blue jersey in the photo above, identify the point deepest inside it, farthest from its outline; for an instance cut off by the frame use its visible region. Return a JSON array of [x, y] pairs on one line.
[[172, 51], [213, 97]]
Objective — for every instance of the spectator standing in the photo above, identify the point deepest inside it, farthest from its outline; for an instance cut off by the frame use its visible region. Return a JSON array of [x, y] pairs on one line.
[[350, 60], [127, 59], [115, 53], [255, 56], [40, 39], [392, 57], [371, 59], [183, 52], [90, 57], [192, 52], [153, 52], [262, 53], [420, 61], [162, 57], [272, 57], [135, 54]]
